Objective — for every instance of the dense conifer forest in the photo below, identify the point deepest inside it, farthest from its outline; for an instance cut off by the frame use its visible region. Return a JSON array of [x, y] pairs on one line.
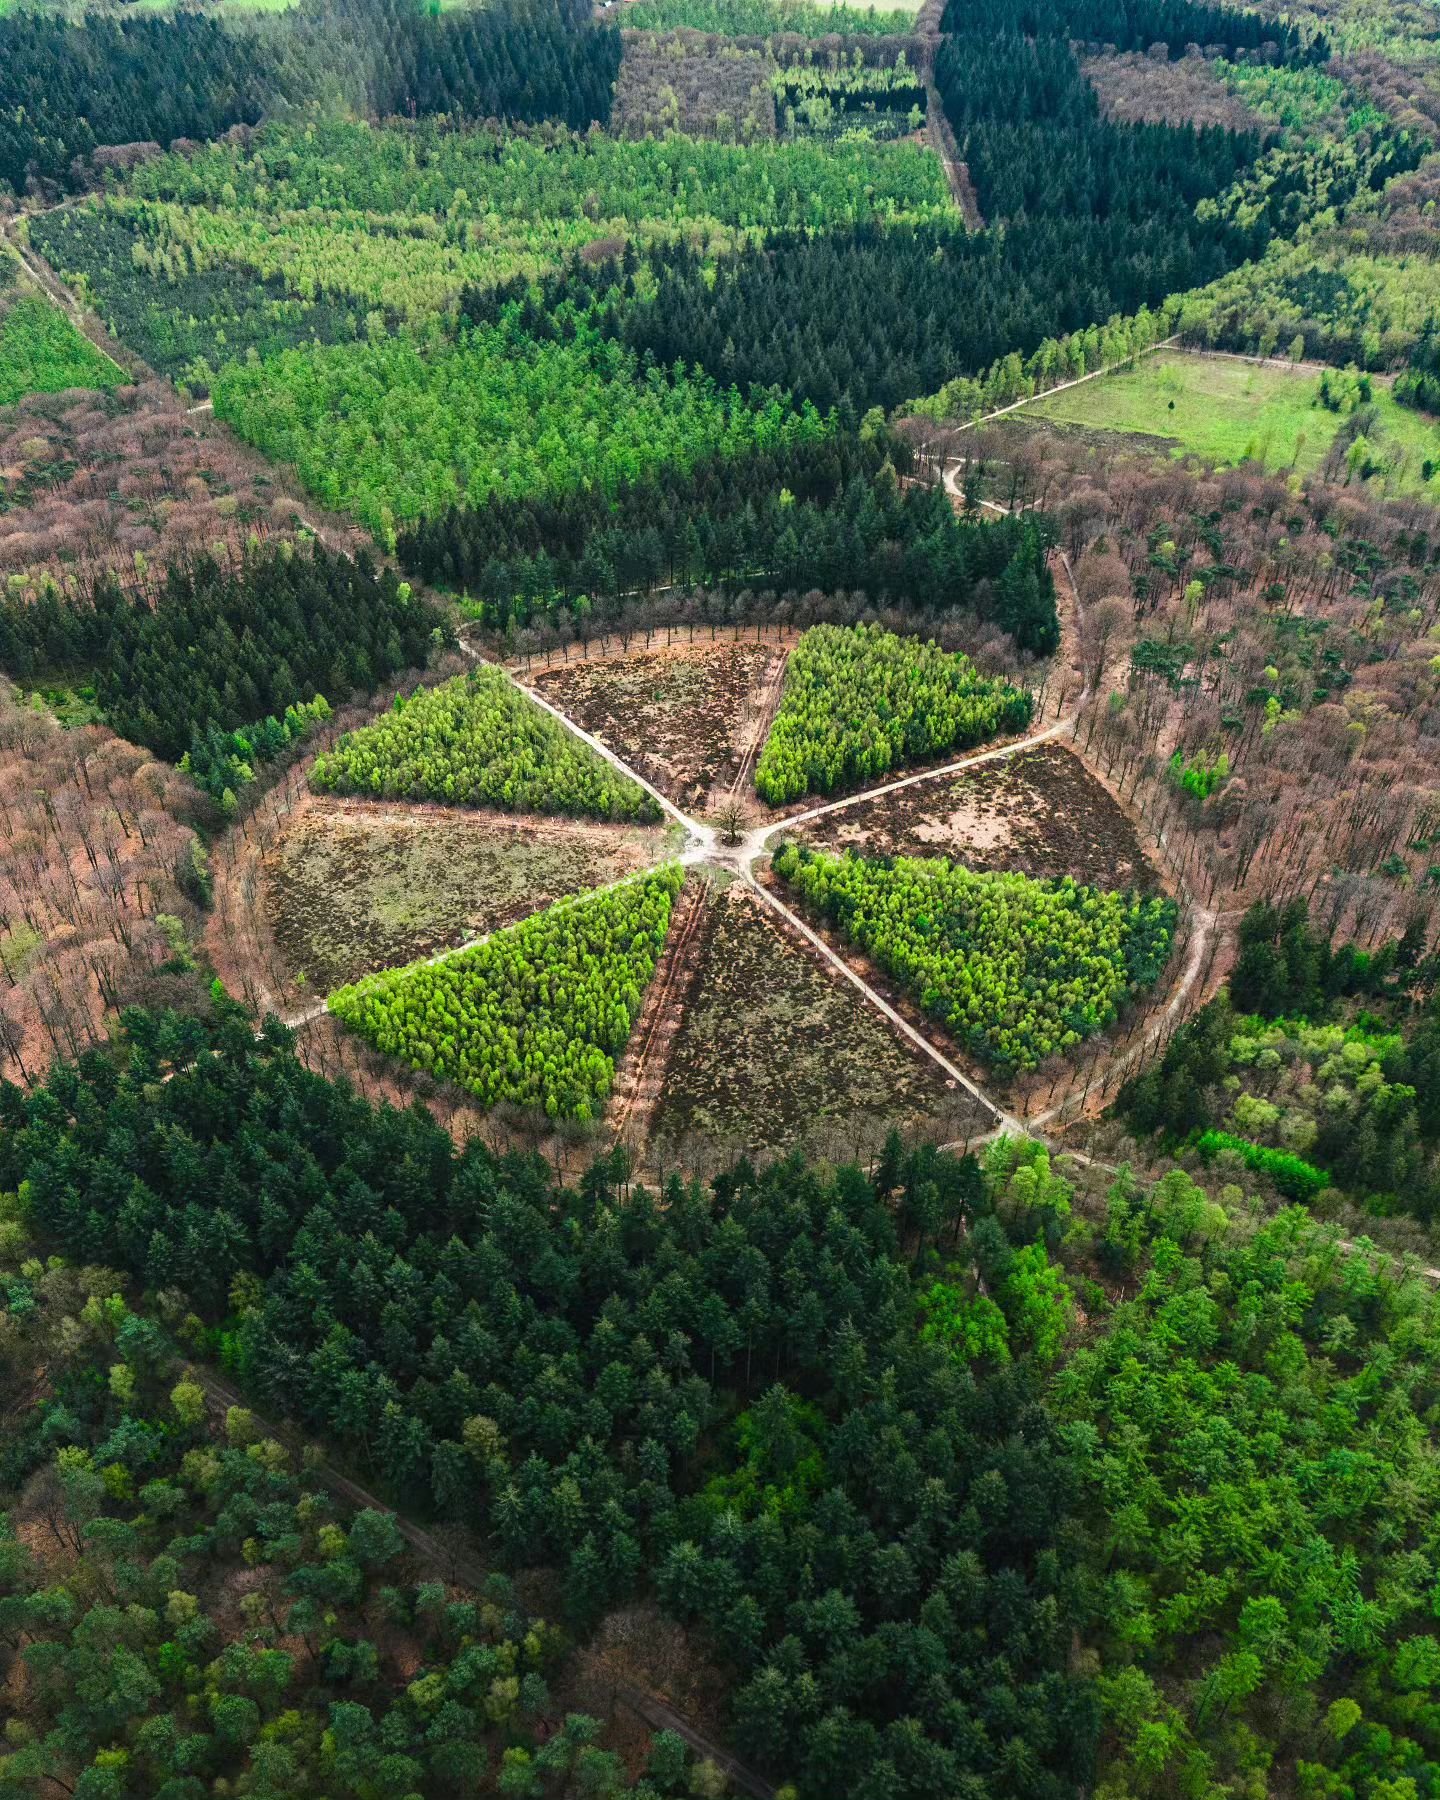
[[224, 643], [828, 513]]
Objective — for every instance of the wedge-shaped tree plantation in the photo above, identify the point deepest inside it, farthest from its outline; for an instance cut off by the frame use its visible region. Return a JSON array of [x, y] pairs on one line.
[[1017, 969], [479, 741], [859, 701], [537, 1013]]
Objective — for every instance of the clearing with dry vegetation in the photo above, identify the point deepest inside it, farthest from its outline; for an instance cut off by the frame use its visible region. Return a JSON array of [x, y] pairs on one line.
[[689, 718], [1040, 813], [352, 888], [772, 1052]]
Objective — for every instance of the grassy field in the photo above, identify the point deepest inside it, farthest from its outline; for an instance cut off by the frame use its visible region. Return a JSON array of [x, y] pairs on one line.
[[1228, 411]]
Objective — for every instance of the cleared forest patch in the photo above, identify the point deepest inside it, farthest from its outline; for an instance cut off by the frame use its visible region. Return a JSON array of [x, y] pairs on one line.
[[1228, 410], [1192, 90], [1039, 813], [352, 887], [686, 81], [772, 1053], [688, 718]]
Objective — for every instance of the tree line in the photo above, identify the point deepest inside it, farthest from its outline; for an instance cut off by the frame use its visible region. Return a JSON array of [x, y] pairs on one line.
[[1312, 1090], [861, 702], [1140, 24], [217, 644], [825, 513], [538, 1013], [68, 88], [479, 741], [1418, 384], [524, 59], [1016, 969]]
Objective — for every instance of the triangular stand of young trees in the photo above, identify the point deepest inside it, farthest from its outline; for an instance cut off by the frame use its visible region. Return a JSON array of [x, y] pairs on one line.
[[535, 1014]]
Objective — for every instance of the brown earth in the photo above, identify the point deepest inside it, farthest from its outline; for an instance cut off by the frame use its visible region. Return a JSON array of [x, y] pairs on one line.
[[353, 886], [689, 718], [773, 1053], [1040, 813]]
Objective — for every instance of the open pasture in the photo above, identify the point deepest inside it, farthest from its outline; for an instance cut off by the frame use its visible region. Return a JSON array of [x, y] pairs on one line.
[[1228, 410]]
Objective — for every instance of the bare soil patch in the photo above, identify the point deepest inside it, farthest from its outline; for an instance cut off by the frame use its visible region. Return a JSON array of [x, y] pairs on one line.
[[689, 718], [351, 887], [772, 1053], [1040, 812]]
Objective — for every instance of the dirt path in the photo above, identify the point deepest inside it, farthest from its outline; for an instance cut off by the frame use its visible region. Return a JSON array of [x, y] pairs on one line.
[[883, 1006], [42, 274], [700, 833], [942, 142], [1061, 386], [656, 1019]]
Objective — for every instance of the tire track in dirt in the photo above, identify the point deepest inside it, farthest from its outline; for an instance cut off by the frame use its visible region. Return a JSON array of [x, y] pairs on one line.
[[770, 697], [658, 1024]]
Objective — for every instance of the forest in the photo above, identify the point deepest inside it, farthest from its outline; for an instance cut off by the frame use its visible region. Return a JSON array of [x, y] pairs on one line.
[[824, 512], [1318, 1065], [1074, 1440], [66, 89], [1137, 24], [769, 18], [348, 1666], [539, 177], [70, 90], [479, 741], [534, 1016], [395, 434], [1016, 969], [548, 1363], [224, 642], [868, 315], [915, 1471], [859, 703]]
